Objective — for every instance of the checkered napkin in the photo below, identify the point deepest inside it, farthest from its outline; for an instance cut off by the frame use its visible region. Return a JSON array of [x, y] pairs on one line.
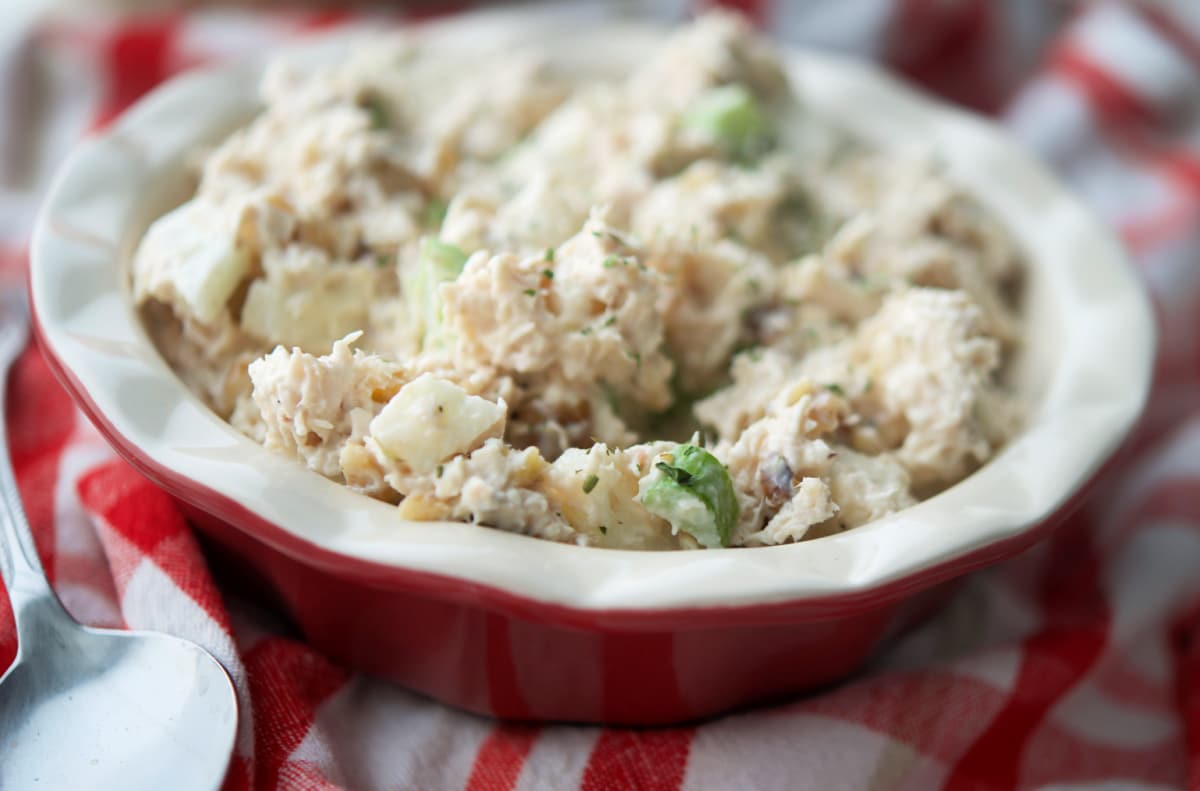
[[1075, 665]]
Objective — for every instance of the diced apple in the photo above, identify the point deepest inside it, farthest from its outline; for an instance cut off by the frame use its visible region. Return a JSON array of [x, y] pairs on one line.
[[429, 420], [200, 257], [313, 317], [263, 310]]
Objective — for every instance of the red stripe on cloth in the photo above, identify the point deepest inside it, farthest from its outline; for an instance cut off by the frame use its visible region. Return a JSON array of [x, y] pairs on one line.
[[138, 55], [1185, 651], [1054, 661], [501, 758], [1060, 758], [87, 573], [1176, 498], [1119, 679], [80, 570], [754, 10], [287, 682], [113, 491], [40, 415], [948, 48], [645, 760], [1125, 116], [40, 424], [1182, 37], [238, 777], [305, 776], [8, 632], [324, 19], [1173, 498], [1112, 100], [1142, 234], [957, 711], [1174, 364], [148, 519], [40, 421], [1196, 350], [1182, 166], [37, 477]]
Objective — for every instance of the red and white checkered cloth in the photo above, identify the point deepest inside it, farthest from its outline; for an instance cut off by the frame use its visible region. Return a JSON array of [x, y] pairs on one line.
[[1075, 665]]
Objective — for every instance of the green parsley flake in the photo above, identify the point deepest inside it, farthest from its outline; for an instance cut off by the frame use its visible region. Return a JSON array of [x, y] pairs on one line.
[[589, 483], [435, 213], [377, 111]]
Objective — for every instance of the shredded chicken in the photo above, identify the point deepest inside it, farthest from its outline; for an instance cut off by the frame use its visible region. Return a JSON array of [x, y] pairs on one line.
[[485, 288]]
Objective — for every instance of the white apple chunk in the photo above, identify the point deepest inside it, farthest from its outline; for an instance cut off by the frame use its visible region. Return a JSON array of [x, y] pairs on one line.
[[331, 303], [430, 420], [198, 258]]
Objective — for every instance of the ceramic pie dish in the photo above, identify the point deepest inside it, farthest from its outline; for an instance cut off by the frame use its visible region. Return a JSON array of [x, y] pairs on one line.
[[517, 627]]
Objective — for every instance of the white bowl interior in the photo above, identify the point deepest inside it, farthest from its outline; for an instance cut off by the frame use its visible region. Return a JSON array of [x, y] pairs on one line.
[[1085, 369]]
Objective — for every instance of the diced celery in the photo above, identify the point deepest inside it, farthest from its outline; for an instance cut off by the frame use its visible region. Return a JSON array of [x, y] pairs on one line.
[[438, 262], [732, 115], [693, 491]]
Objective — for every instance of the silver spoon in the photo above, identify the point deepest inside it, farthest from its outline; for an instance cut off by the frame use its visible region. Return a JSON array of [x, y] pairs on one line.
[[96, 708]]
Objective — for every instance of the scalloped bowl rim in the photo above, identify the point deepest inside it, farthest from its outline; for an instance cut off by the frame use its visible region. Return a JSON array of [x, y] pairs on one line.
[[1098, 317]]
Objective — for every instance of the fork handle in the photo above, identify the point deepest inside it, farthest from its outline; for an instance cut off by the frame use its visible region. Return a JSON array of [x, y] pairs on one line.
[[20, 566]]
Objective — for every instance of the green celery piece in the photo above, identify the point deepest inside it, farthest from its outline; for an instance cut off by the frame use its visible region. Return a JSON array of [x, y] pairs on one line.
[[732, 115], [695, 494], [437, 262]]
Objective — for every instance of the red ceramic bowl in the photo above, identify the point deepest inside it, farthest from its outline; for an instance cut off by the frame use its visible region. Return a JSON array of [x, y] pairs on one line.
[[507, 625]]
